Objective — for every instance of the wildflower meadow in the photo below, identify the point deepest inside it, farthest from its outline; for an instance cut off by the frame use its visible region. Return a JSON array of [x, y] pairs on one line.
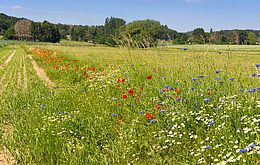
[[73, 104]]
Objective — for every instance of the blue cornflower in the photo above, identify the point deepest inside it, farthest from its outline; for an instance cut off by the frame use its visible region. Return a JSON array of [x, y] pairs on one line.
[[242, 150], [115, 98], [141, 112], [217, 78], [114, 115], [152, 121], [43, 106], [59, 113], [167, 86], [208, 147], [232, 79], [196, 105], [211, 123], [206, 100], [194, 79], [192, 89], [171, 89], [178, 99], [185, 49], [201, 76], [161, 104], [163, 111], [254, 75], [250, 91], [171, 127], [163, 91], [257, 65]]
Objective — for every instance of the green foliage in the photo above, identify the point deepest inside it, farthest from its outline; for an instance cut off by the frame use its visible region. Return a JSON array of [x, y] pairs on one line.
[[9, 33], [198, 36], [86, 121], [45, 32], [6, 22], [251, 38], [142, 33]]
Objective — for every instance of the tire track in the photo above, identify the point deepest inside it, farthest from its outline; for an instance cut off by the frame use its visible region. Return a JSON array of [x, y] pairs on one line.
[[5, 56], [40, 72], [8, 60], [6, 157]]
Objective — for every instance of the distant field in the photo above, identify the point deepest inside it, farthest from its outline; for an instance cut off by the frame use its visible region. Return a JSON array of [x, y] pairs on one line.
[[181, 104]]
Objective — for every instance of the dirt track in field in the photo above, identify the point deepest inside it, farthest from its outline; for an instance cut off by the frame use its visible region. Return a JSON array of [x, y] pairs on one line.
[[8, 59], [40, 72], [6, 157]]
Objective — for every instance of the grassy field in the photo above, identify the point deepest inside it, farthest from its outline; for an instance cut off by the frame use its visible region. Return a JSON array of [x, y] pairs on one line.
[[188, 104]]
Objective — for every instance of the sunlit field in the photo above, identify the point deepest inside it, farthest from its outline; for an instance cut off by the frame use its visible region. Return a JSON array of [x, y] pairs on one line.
[[180, 104]]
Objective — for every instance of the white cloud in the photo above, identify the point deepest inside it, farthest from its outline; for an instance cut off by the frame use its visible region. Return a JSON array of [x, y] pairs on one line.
[[18, 7]]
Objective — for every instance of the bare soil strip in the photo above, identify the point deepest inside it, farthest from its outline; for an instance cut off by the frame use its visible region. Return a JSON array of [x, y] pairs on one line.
[[5, 56], [40, 72], [8, 59], [5, 156]]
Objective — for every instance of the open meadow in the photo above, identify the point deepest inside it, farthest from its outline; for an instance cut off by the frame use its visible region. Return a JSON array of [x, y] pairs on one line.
[[71, 104]]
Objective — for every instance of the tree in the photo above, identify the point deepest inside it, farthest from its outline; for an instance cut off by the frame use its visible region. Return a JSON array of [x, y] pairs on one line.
[[112, 29], [36, 31], [251, 38], [45, 32], [9, 33], [142, 33], [181, 38], [198, 36], [22, 29], [78, 33]]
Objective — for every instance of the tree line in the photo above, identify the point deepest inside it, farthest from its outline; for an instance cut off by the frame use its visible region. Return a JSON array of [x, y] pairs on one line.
[[115, 31]]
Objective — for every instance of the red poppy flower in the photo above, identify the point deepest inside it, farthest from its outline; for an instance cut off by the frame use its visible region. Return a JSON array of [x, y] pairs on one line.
[[131, 91], [123, 93], [157, 106], [93, 69], [148, 77], [140, 88], [178, 90], [148, 115], [123, 80], [124, 96], [153, 116]]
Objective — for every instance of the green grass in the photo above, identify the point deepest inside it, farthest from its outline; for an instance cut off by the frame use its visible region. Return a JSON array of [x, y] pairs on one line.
[[86, 121]]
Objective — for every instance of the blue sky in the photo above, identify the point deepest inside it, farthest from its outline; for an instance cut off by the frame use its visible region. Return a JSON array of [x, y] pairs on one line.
[[180, 15]]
